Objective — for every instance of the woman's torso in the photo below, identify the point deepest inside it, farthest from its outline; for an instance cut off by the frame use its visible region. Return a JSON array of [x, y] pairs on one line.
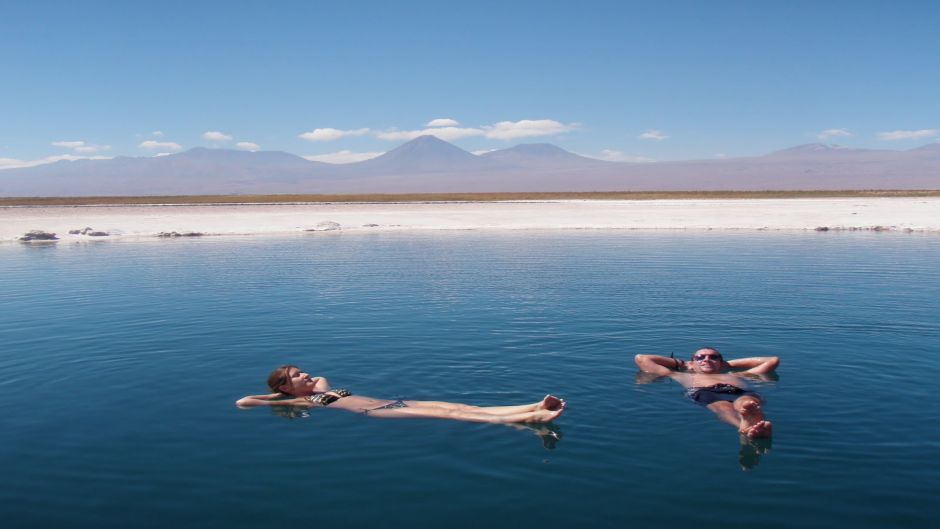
[[358, 403]]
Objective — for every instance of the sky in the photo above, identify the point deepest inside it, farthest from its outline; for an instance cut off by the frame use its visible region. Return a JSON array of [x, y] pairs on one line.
[[343, 81]]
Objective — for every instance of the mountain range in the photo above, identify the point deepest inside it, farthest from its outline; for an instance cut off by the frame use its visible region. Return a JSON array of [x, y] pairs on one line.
[[430, 165]]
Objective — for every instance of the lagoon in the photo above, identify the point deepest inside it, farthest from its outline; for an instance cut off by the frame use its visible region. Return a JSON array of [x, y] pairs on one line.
[[121, 362]]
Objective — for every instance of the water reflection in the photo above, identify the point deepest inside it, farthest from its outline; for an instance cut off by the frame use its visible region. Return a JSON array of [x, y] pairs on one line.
[[752, 450], [290, 412], [549, 434]]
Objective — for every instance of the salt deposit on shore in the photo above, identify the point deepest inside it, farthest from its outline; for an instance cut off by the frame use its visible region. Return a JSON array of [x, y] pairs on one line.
[[900, 214]]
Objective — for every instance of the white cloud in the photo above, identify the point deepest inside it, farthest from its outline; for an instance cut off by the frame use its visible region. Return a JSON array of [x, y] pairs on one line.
[[154, 145], [81, 146], [329, 134], [214, 135], [507, 130], [404, 135], [68, 144], [442, 122], [504, 130], [157, 133], [611, 155], [343, 157], [13, 163], [444, 133], [88, 149], [653, 134], [399, 135], [833, 133], [483, 151], [907, 134], [453, 133], [247, 146]]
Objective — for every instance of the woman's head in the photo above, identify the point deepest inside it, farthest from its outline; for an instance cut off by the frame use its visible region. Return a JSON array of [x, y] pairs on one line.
[[282, 379]]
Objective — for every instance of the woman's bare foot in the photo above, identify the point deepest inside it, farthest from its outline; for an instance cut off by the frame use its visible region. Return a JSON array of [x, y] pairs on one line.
[[752, 424], [540, 416], [552, 403]]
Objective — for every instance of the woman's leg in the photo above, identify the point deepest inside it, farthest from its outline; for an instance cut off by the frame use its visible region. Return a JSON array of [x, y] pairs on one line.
[[465, 414], [550, 402]]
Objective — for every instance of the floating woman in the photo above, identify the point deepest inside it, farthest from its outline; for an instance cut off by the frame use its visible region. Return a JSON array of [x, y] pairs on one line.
[[293, 387]]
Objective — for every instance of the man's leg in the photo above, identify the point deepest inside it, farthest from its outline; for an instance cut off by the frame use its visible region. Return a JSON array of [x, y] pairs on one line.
[[752, 423], [726, 412]]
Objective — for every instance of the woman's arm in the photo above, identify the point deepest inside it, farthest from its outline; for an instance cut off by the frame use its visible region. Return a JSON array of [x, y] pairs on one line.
[[321, 384], [658, 365], [757, 365], [272, 399]]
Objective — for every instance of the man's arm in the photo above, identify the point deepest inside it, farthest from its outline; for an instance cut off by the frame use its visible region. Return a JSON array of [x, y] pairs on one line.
[[658, 365], [757, 365]]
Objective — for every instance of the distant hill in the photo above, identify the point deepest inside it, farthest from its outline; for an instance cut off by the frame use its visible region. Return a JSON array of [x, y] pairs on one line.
[[810, 148], [196, 171], [428, 164], [542, 156], [423, 154], [930, 147]]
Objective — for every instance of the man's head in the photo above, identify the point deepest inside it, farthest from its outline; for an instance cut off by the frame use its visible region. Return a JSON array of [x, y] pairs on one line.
[[707, 360]]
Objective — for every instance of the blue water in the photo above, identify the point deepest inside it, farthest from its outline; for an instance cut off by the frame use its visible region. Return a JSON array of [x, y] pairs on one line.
[[121, 361]]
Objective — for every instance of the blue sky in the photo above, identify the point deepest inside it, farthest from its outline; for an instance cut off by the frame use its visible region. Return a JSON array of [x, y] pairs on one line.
[[621, 80]]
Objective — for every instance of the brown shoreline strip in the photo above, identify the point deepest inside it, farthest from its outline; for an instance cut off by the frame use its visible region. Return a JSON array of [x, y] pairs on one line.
[[454, 197]]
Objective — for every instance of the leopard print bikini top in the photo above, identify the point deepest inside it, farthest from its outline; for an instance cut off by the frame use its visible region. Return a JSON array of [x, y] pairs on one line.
[[328, 397]]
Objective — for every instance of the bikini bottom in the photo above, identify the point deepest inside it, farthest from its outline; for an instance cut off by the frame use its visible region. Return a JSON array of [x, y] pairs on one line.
[[390, 406]]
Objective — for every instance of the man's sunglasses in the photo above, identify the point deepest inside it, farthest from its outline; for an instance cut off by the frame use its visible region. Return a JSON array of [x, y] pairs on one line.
[[699, 358]]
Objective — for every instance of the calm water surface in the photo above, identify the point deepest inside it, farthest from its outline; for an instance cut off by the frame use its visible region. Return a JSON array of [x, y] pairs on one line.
[[121, 361]]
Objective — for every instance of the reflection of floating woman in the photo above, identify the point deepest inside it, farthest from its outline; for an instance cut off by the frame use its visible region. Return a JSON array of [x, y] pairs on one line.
[[708, 382], [293, 387]]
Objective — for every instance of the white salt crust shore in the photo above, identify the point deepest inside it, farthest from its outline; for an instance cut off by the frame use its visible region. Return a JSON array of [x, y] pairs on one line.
[[124, 222]]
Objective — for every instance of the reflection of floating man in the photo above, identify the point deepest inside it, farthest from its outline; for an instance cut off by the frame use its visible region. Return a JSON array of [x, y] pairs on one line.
[[707, 382]]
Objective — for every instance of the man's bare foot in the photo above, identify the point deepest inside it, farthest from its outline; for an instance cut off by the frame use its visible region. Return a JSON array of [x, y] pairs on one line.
[[752, 424], [551, 402], [763, 429]]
